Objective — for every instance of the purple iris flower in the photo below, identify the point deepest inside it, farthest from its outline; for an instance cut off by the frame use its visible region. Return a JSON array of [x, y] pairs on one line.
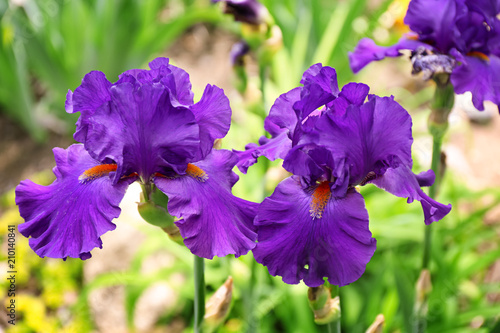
[[247, 11], [315, 224], [238, 52], [457, 37], [144, 127]]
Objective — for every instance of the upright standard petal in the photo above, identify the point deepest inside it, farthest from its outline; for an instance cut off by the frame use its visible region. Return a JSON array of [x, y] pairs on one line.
[[376, 131], [488, 8], [212, 222], [213, 116], [90, 95], [320, 88], [67, 218], [181, 87], [293, 244], [439, 28], [140, 130], [378, 149]]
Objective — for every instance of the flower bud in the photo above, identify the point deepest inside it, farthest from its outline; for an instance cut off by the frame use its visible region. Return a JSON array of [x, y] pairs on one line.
[[432, 65], [325, 308], [250, 12], [154, 211], [217, 307], [154, 214], [238, 53], [441, 106], [378, 325], [423, 287], [318, 296], [272, 44]]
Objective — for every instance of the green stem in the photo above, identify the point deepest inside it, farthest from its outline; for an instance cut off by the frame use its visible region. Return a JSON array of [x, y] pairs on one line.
[[334, 326], [441, 106], [199, 293], [252, 321], [435, 166], [146, 190]]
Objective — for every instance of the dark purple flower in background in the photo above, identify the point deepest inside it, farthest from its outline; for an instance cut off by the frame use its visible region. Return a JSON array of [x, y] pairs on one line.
[[143, 127], [457, 37], [315, 224], [247, 11], [238, 51]]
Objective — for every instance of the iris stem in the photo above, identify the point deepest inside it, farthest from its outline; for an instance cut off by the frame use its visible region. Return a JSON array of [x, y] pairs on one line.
[[441, 106], [146, 190], [435, 166], [199, 293], [252, 322], [334, 326]]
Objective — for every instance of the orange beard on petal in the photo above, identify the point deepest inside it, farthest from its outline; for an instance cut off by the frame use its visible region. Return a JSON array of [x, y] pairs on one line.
[[320, 198], [196, 172], [97, 172]]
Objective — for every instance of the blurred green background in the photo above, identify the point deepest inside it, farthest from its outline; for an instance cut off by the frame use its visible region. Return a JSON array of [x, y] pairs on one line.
[[141, 281]]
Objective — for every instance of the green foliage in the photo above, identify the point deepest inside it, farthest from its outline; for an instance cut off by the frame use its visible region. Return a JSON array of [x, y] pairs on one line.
[[51, 45]]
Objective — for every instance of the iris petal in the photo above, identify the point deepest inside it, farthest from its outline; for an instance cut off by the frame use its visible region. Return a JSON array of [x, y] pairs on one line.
[[131, 130], [213, 115], [440, 26], [212, 222], [480, 77], [67, 218], [181, 87], [367, 51], [402, 182], [297, 246], [90, 95], [280, 123], [320, 88], [366, 135], [272, 149]]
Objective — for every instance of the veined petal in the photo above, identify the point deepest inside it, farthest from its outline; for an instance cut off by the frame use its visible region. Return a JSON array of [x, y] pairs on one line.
[[297, 246], [480, 77], [403, 183], [213, 116], [212, 222], [67, 218]]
